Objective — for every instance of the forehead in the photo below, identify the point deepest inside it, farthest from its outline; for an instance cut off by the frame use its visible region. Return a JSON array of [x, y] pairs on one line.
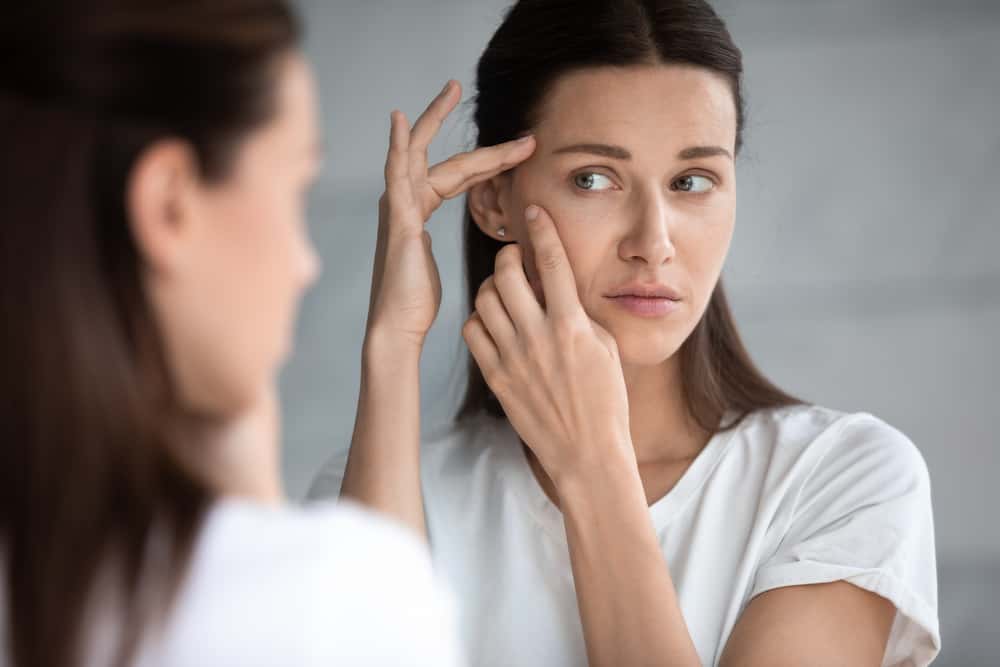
[[291, 136], [664, 106], [296, 97]]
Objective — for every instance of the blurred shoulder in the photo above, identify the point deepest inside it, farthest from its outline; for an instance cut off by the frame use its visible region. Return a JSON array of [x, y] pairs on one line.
[[316, 536], [328, 581]]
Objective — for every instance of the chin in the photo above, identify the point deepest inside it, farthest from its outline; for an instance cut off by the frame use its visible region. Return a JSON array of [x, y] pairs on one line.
[[645, 348], [646, 357]]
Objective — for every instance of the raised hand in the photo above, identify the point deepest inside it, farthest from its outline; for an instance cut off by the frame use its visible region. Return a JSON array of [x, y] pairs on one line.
[[555, 371], [406, 287], [383, 468]]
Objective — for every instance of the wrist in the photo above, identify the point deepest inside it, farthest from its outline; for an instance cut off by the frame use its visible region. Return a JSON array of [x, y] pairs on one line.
[[611, 466], [384, 349]]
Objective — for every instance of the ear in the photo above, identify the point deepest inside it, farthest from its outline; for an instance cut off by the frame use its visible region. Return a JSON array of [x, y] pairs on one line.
[[489, 206], [160, 200]]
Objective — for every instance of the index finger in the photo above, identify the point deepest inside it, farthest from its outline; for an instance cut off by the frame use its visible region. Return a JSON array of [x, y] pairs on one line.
[[460, 172], [431, 120], [558, 283]]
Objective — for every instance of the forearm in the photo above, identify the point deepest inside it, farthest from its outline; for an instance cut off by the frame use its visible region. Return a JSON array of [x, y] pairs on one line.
[[383, 466], [628, 605]]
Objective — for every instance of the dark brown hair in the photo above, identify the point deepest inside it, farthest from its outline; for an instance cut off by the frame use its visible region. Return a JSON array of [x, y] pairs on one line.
[[88, 415], [541, 40]]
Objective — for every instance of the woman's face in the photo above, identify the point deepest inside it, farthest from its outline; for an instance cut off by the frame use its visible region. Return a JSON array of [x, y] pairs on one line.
[[228, 297], [635, 166]]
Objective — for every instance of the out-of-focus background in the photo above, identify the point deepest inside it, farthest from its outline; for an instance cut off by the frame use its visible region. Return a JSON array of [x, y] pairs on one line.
[[864, 271]]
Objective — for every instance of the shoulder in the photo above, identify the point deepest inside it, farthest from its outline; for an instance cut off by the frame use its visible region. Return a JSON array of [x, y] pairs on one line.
[[853, 503], [315, 546], [327, 582], [813, 438]]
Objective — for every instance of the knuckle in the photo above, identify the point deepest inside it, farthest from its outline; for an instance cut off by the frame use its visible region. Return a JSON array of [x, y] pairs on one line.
[[550, 259], [567, 328], [461, 159], [497, 382]]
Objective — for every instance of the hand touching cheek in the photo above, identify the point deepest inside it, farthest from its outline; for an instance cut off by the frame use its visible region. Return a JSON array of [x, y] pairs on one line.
[[555, 371]]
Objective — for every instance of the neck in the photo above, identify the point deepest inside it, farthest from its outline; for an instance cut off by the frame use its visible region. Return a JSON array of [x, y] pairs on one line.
[[239, 456], [662, 431]]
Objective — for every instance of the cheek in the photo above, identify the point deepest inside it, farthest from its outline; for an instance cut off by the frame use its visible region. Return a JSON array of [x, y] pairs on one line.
[[702, 249], [270, 270], [585, 225], [249, 291]]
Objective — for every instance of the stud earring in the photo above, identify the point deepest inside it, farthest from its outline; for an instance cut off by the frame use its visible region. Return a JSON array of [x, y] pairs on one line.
[[502, 232]]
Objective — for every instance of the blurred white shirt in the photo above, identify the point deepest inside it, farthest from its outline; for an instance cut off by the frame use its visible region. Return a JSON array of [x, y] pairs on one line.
[[297, 587], [793, 496]]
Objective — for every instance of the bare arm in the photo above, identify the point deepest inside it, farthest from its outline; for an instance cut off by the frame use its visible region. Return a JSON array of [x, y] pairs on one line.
[[836, 623], [628, 605], [383, 466]]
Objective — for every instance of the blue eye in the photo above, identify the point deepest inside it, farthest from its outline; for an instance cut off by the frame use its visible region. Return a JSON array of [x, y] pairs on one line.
[[591, 181], [693, 183]]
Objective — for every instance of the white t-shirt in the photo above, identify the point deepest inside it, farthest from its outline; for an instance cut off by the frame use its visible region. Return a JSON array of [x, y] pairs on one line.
[[322, 586], [791, 496]]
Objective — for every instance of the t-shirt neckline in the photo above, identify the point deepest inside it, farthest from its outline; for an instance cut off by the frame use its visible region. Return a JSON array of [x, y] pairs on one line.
[[663, 511]]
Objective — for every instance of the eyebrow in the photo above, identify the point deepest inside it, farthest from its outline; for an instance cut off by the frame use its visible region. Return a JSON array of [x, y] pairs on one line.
[[619, 153], [696, 152], [604, 150]]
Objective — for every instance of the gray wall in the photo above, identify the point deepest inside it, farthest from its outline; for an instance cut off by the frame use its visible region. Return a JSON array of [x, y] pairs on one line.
[[863, 271]]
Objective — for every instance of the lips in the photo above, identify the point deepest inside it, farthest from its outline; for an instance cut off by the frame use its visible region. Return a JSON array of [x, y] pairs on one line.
[[646, 299], [645, 291]]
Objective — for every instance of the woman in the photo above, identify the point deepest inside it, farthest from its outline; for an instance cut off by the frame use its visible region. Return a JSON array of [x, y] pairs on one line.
[[152, 253], [622, 486]]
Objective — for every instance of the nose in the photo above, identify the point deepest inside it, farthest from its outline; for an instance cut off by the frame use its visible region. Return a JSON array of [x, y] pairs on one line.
[[648, 238]]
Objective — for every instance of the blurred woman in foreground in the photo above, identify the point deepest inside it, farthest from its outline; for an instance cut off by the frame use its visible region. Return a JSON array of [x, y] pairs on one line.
[[152, 254]]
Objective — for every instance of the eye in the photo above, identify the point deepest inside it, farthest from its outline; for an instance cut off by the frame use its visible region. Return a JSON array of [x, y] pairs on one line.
[[592, 181], [693, 183]]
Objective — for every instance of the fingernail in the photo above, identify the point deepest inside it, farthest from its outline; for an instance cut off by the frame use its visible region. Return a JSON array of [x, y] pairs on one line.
[[527, 137], [446, 88], [531, 213]]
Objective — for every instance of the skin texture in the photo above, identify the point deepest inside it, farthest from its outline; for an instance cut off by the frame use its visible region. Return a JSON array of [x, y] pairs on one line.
[[226, 264]]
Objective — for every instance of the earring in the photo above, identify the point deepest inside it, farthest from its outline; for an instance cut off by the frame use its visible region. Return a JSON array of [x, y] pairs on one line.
[[502, 232]]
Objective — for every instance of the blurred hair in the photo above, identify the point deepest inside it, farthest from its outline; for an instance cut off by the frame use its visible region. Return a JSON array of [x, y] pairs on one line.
[[89, 416], [542, 40]]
